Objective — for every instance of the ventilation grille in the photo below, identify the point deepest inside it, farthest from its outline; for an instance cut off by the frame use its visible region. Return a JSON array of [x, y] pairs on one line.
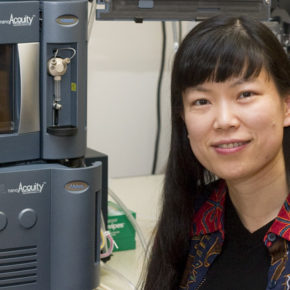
[[18, 266]]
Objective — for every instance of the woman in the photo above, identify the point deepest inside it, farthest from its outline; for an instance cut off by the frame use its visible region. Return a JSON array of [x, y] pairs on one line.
[[225, 222]]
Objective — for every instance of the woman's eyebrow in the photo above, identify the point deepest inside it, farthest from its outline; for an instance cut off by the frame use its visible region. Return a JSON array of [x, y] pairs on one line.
[[241, 81], [200, 88], [238, 82]]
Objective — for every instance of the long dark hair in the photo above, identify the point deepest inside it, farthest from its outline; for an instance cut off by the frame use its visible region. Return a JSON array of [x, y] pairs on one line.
[[215, 50]]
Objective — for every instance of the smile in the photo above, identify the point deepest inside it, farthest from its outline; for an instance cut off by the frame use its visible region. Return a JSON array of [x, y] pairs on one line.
[[231, 145]]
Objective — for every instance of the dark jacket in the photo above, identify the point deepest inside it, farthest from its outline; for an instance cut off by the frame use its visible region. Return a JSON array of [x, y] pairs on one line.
[[208, 236]]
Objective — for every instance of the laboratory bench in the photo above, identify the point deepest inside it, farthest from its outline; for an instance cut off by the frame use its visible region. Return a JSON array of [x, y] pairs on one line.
[[142, 195]]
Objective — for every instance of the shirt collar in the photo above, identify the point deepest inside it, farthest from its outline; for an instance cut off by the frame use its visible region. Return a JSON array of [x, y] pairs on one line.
[[281, 224], [210, 217]]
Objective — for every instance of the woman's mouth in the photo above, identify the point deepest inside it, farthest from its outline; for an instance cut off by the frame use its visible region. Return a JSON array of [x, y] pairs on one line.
[[229, 147]]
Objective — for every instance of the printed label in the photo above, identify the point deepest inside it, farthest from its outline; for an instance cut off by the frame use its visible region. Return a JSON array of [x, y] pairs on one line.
[[114, 227], [28, 188], [18, 21]]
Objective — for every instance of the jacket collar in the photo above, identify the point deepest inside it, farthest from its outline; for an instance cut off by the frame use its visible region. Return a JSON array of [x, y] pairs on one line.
[[281, 224], [210, 217]]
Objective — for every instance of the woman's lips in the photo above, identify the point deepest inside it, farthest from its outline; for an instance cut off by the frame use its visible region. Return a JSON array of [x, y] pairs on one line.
[[230, 146]]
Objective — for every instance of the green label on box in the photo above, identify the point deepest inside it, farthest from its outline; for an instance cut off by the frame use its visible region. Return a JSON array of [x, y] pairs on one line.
[[120, 228]]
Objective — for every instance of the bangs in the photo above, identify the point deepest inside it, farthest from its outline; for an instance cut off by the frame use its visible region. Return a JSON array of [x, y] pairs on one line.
[[218, 57]]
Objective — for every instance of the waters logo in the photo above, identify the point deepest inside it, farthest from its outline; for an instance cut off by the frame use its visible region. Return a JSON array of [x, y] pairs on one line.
[[76, 186], [28, 188], [18, 21]]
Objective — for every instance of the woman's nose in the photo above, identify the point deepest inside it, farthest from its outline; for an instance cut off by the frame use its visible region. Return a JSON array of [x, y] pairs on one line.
[[226, 117]]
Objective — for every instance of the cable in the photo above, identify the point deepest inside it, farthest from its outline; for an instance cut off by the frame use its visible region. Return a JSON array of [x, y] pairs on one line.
[[176, 36], [110, 250], [115, 272], [131, 219], [157, 138], [92, 17], [103, 240], [180, 31], [103, 229], [104, 287]]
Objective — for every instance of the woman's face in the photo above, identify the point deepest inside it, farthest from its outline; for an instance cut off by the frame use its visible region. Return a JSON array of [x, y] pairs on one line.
[[235, 128]]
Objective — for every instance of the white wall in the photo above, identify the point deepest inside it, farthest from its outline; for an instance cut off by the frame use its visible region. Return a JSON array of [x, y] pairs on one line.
[[123, 66]]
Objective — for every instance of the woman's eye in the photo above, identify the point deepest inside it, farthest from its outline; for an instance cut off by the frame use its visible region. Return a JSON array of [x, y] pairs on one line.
[[201, 102], [246, 95]]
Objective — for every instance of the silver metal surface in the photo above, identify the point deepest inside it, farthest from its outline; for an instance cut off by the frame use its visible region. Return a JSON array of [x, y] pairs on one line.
[[29, 73]]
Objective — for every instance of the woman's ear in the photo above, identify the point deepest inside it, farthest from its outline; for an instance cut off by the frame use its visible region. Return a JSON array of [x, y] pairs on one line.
[[287, 111]]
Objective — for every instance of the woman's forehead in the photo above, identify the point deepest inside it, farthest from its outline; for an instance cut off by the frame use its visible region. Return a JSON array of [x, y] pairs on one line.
[[234, 80], [221, 70]]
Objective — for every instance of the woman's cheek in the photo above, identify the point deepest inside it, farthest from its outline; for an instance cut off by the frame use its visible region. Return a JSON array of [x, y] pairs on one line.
[[197, 126]]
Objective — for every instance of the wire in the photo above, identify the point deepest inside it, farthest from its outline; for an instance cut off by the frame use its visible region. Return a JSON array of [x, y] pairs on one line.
[[131, 219], [66, 48], [110, 250], [92, 17], [157, 138], [103, 229], [104, 287], [176, 36], [180, 31], [117, 273], [103, 240]]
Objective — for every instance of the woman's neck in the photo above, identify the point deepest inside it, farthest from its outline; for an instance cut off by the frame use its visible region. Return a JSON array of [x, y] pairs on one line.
[[259, 199]]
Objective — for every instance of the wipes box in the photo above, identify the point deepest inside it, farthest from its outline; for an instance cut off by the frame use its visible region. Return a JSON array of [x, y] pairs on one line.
[[120, 228]]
